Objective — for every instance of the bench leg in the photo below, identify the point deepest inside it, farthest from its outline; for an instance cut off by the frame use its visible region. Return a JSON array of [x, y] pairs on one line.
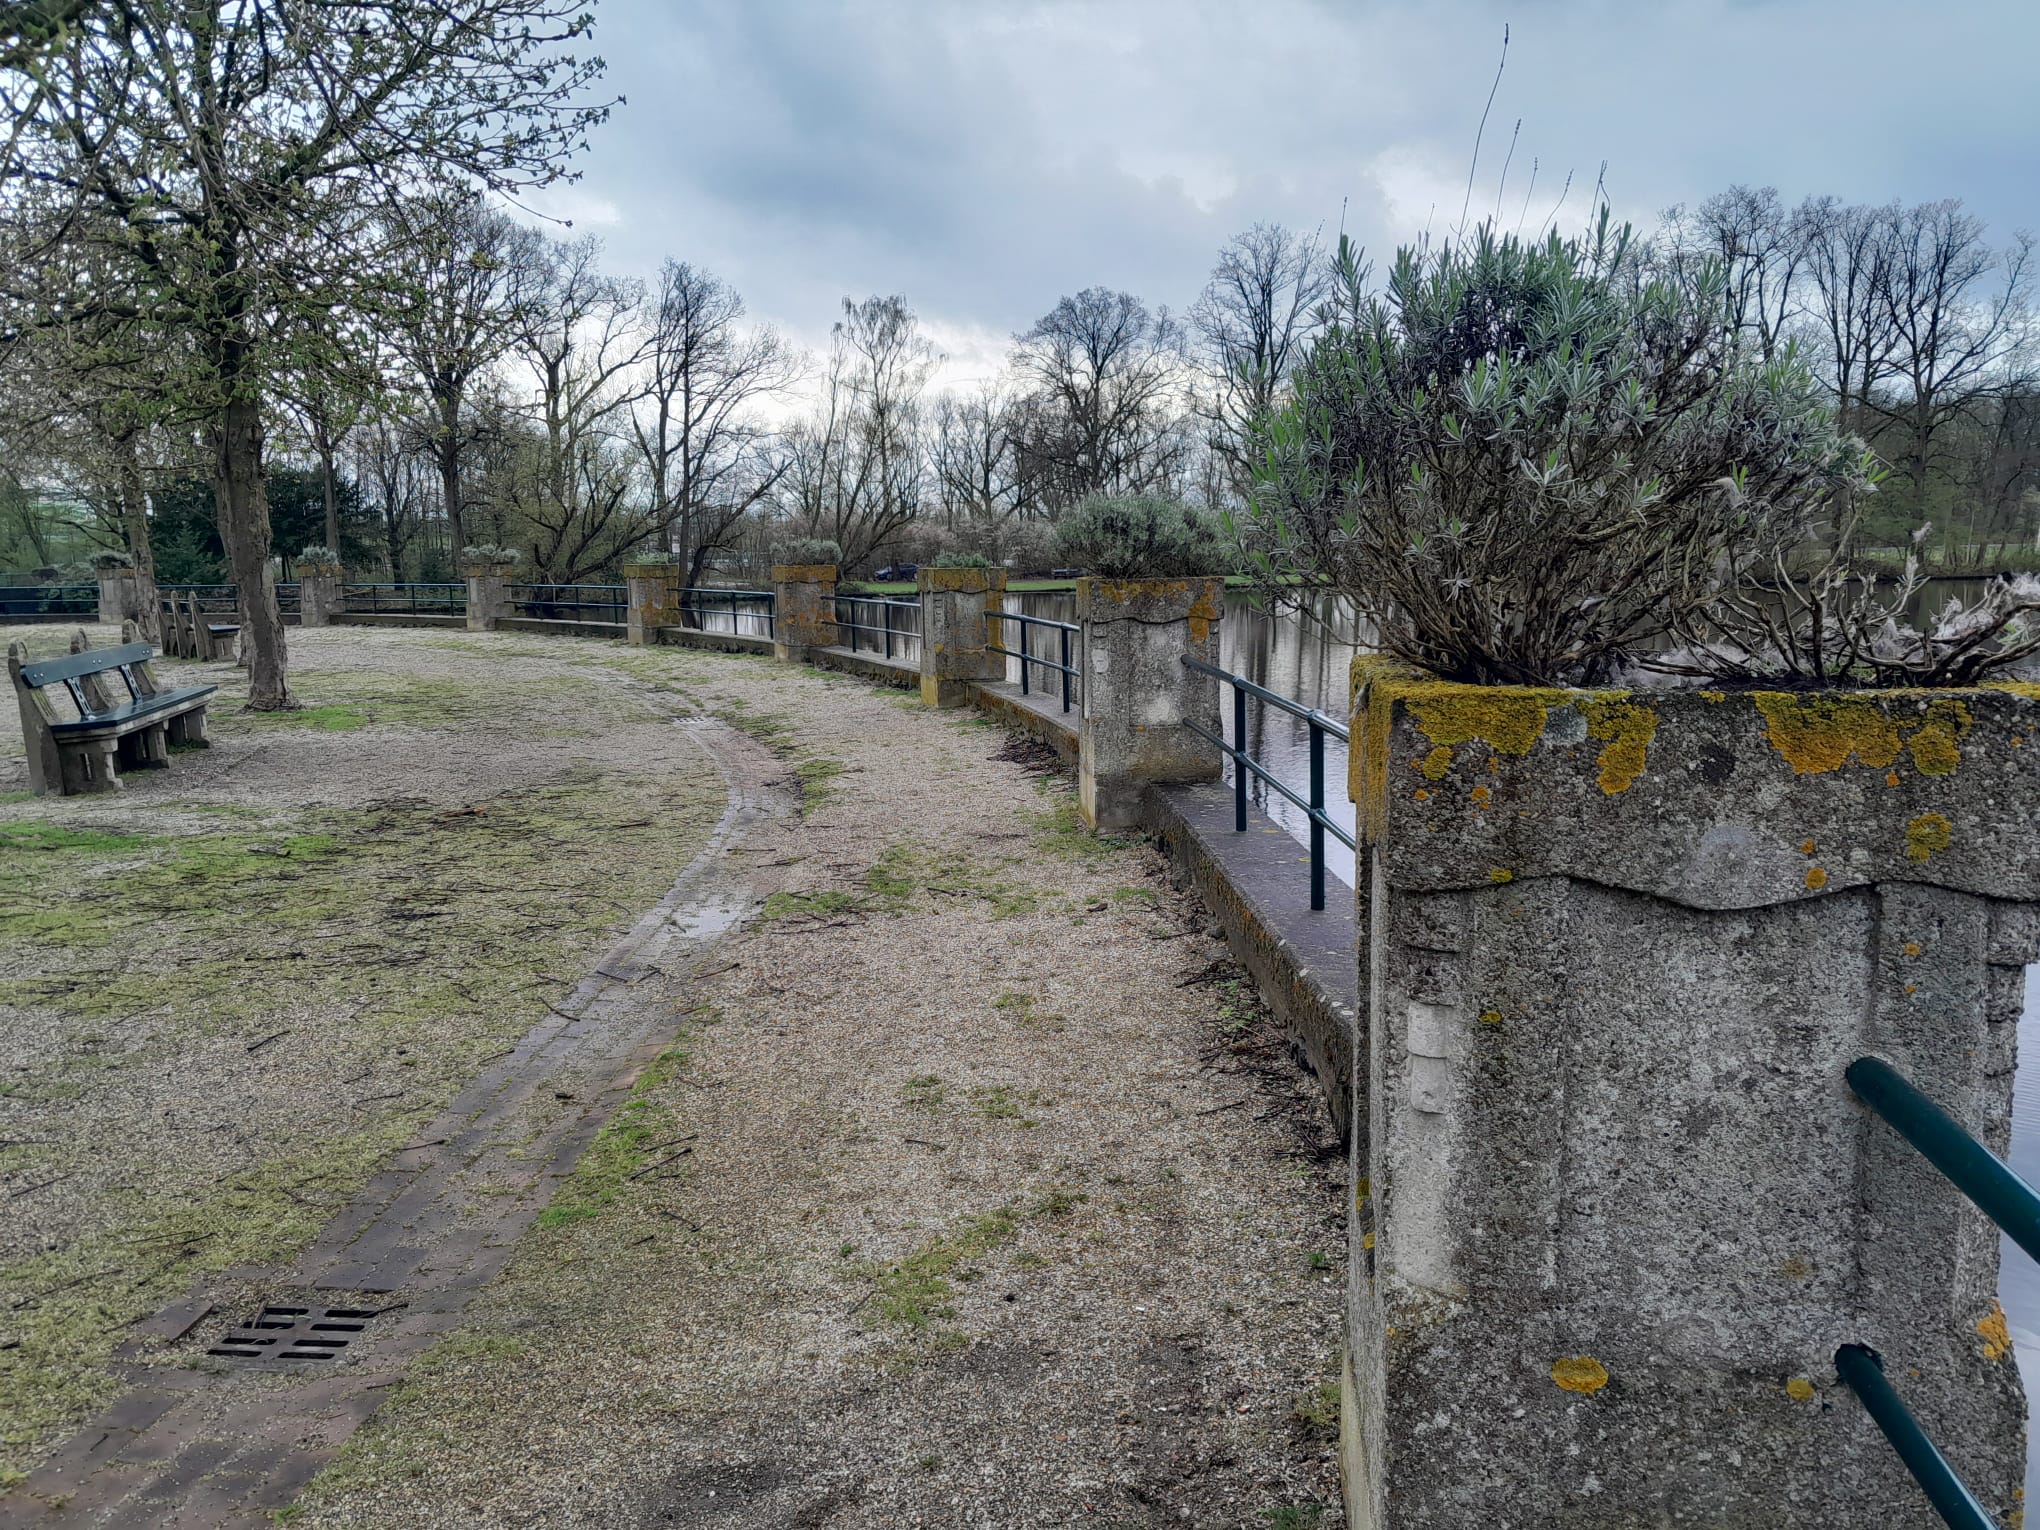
[[190, 729], [152, 748], [90, 768]]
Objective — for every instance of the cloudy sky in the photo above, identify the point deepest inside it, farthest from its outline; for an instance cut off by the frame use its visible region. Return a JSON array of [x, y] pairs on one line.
[[983, 157]]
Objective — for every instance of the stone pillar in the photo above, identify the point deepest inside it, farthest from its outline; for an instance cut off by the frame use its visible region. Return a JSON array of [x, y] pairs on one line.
[[955, 634], [119, 595], [320, 596], [488, 595], [1138, 696], [654, 600], [803, 609], [1617, 1208]]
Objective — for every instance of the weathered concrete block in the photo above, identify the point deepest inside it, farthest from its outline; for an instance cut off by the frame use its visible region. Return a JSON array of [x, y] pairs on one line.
[[319, 594], [803, 609], [1138, 695], [488, 595], [1618, 1206], [653, 600], [120, 596], [956, 636]]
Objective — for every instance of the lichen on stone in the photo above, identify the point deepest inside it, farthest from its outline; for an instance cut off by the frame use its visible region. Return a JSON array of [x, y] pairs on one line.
[[1434, 765], [1926, 834], [1626, 729], [1997, 1338], [1510, 719], [1818, 734], [1579, 1373]]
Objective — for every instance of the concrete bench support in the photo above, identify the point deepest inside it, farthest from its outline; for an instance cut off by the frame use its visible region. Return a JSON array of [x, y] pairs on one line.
[[804, 609], [1617, 1208], [955, 634], [1137, 694]]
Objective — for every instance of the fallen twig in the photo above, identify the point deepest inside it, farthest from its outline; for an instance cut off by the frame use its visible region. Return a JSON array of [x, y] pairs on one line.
[[256, 1046], [1235, 1105], [669, 1158]]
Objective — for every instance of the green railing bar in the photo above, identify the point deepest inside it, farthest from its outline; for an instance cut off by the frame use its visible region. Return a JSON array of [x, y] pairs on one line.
[[1862, 1369], [1970, 1166]]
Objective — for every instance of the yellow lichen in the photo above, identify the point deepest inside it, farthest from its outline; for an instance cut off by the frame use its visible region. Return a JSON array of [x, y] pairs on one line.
[[1579, 1373], [1912, 948], [1817, 734], [1490, 1017], [1926, 834], [1510, 719], [1934, 747], [1891, 778], [1367, 1240], [1422, 795], [1626, 729], [1434, 765], [1816, 878], [1807, 847], [1714, 696], [1482, 796], [1997, 1339], [1500, 874], [1799, 1389]]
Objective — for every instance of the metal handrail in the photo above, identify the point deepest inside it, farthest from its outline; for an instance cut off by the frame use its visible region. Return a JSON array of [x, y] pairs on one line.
[[49, 599], [1064, 631], [696, 597], [1244, 764], [2000, 1194], [1972, 1168], [1862, 1370], [888, 630], [401, 597], [527, 595]]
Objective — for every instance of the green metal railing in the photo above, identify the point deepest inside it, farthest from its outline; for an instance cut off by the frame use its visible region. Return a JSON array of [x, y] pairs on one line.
[[740, 606], [892, 628], [1999, 1194], [1066, 633], [407, 598], [569, 602], [1245, 765], [49, 600]]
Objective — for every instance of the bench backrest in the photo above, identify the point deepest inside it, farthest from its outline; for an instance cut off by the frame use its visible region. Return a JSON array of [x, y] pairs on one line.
[[92, 661]]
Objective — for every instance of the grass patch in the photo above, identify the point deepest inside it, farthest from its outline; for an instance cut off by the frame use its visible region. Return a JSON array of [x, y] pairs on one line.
[[1003, 1102], [37, 834], [641, 1127], [1022, 1008], [923, 1091], [1316, 1413], [916, 1291], [815, 777], [338, 717], [1060, 830], [814, 905], [908, 869]]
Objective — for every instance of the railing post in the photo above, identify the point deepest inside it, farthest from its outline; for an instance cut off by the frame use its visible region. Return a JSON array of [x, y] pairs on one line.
[[804, 609], [956, 630], [1063, 633], [1140, 699], [1240, 773], [488, 595], [653, 592], [1317, 829], [320, 596]]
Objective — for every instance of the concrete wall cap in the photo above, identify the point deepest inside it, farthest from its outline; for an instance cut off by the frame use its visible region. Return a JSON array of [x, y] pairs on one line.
[[1709, 798]]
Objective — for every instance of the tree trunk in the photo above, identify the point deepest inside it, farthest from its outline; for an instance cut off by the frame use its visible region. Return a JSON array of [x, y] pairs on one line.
[[697, 560], [332, 498], [243, 507], [134, 515], [448, 452]]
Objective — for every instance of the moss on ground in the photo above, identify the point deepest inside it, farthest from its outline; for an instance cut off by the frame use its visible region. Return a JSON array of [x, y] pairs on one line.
[[642, 1128]]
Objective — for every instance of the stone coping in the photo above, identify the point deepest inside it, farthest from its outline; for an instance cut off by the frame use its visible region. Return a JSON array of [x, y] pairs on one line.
[[1709, 798], [803, 573]]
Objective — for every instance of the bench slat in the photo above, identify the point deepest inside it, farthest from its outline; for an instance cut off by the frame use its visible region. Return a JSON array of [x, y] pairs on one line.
[[128, 712], [91, 662]]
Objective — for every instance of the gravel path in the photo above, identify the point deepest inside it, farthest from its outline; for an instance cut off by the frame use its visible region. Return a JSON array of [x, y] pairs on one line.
[[978, 1191], [985, 1196]]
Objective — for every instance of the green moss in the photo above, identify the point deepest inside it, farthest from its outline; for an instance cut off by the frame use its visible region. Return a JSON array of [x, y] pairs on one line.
[[338, 718], [815, 776], [36, 834], [814, 905], [1060, 830], [923, 1091], [907, 870]]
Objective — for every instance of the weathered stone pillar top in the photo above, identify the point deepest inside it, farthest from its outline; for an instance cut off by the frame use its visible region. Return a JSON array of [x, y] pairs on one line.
[[960, 581], [803, 573], [1711, 798], [1200, 602]]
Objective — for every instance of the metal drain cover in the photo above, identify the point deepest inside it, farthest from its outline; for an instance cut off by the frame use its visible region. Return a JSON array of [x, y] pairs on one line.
[[293, 1336]]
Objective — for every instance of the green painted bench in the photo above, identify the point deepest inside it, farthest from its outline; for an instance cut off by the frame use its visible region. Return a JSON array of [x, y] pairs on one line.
[[111, 731]]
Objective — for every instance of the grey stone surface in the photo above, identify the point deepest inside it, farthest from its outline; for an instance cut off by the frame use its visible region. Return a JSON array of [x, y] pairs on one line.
[[955, 636], [319, 594], [803, 609], [1138, 696], [488, 595], [653, 593], [1620, 1207]]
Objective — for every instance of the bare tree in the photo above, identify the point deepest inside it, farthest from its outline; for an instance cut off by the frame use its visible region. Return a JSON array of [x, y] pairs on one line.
[[455, 319], [1762, 254], [1104, 377], [581, 339], [855, 471], [392, 483], [1252, 322], [707, 454], [1958, 320], [230, 154]]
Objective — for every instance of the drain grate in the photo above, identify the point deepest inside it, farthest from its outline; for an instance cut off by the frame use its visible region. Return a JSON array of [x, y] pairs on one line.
[[291, 1336]]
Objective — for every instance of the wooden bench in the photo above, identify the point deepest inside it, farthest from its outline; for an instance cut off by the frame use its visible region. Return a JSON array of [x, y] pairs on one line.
[[111, 733], [189, 633]]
